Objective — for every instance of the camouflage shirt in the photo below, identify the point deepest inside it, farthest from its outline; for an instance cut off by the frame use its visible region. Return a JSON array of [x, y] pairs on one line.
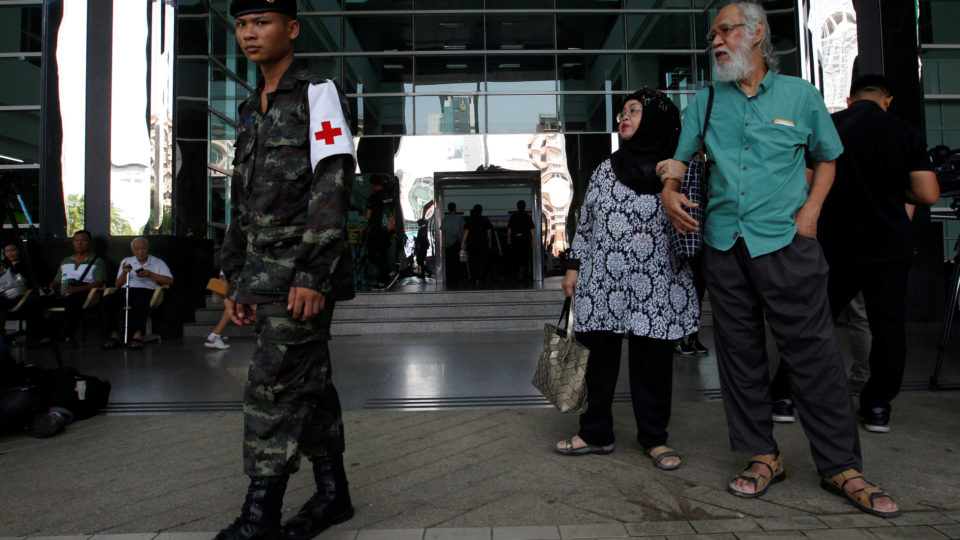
[[288, 223]]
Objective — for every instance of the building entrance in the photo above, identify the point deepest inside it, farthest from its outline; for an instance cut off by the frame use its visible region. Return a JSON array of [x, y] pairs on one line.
[[497, 192]]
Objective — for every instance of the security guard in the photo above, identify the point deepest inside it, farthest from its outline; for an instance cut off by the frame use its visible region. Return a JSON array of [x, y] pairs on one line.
[[287, 260]]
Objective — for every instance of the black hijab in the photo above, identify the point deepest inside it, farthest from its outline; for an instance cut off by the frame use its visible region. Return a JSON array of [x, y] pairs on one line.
[[656, 139]]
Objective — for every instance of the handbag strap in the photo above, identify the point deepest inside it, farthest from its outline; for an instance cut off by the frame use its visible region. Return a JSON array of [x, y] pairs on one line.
[[566, 315], [706, 120], [87, 269]]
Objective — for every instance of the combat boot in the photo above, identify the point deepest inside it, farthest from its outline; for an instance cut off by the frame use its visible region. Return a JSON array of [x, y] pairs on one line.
[[327, 507], [260, 516]]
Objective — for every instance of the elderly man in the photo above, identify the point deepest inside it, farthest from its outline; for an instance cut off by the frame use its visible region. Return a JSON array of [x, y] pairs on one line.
[[139, 275], [762, 258]]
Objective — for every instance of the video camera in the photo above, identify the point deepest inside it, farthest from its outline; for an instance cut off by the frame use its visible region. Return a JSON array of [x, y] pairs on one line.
[[946, 165]]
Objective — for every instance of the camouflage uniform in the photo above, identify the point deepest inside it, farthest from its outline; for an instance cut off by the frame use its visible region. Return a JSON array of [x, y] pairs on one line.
[[288, 230]]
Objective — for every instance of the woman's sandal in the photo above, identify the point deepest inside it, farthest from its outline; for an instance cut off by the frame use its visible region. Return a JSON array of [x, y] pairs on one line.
[[658, 460], [760, 482], [862, 498], [569, 450], [135, 345], [110, 344]]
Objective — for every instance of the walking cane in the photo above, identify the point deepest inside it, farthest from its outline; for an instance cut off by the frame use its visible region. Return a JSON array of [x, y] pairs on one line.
[[126, 310]]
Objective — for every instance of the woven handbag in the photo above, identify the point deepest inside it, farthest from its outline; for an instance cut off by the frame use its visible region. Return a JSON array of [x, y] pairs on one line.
[[562, 366], [694, 187]]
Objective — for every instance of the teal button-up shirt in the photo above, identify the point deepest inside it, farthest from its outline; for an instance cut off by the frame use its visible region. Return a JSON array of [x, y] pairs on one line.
[[757, 145]]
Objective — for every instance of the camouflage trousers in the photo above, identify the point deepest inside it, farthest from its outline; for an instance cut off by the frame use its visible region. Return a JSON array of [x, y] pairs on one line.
[[290, 406]]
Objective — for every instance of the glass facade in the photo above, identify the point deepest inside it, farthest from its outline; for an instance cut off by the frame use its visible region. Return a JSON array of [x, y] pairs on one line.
[[524, 84], [21, 44], [940, 56]]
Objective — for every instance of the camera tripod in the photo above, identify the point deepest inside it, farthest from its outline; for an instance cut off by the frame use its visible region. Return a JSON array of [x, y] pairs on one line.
[[947, 168], [12, 201]]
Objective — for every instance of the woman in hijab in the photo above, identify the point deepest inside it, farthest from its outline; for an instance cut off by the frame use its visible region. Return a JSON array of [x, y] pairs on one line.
[[629, 283]]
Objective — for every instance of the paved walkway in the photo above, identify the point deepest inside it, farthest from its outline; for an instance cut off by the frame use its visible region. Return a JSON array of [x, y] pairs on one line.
[[484, 474]]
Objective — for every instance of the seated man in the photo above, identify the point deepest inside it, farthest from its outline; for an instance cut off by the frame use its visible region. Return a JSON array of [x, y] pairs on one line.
[[78, 273], [149, 272]]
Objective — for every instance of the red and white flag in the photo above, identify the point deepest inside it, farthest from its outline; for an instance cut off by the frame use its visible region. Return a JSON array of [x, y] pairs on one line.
[[329, 132]]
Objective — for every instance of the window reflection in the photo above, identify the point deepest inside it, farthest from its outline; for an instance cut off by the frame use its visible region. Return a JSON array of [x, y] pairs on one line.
[[593, 72], [591, 113], [449, 114], [514, 32], [27, 182], [519, 4], [375, 74], [24, 31], [375, 33], [22, 81], [328, 66], [319, 34], [449, 4], [589, 4], [448, 74], [365, 5], [661, 71], [665, 4], [509, 73], [659, 31], [585, 31], [449, 32], [383, 115], [21, 140], [523, 114]]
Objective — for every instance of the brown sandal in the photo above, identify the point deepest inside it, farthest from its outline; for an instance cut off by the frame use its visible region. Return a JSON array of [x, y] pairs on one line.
[[862, 498], [761, 482]]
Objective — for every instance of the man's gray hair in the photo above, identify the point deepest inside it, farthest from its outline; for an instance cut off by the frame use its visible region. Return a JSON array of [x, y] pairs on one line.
[[145, 241], [753, 15]]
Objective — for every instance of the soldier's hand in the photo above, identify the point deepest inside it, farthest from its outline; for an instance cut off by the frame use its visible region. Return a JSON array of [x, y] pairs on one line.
[[305, 303], [240, 314]]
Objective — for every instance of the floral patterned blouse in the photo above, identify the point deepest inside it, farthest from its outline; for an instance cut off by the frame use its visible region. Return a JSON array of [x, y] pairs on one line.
[[630, 280]]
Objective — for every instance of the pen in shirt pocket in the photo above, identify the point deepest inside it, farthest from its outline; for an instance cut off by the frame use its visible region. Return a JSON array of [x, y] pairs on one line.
[[783, 122]]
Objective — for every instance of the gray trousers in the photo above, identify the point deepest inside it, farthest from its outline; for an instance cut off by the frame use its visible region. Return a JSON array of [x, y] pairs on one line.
[[789, 287]]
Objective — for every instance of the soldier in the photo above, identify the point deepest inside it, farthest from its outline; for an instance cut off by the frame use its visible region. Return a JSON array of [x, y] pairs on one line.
[[287, 261]]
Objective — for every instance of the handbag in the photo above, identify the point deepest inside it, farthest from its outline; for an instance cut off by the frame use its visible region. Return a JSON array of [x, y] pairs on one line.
[[694, 187], [562, 366]]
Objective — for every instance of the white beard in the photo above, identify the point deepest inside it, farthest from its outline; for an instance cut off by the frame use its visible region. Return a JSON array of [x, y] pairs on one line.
[[738, 66]]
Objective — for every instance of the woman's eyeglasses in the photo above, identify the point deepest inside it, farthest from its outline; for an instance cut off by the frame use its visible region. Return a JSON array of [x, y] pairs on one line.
[[722, 31], [633, 111]]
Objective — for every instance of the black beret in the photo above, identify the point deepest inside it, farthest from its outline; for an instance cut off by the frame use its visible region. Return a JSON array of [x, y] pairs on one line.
[[244, 7], [871, 80]]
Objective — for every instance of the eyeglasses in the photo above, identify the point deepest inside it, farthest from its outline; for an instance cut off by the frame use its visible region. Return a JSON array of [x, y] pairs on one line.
[[636, 109], [722, 31]]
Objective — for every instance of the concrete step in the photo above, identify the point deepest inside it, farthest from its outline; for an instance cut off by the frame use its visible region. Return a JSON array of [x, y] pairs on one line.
[[447, 311]]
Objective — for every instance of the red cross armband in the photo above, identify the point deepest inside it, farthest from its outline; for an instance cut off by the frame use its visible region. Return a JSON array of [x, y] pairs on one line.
[[329, 132]]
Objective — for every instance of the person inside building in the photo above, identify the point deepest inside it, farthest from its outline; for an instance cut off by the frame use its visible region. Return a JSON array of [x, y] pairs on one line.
[[627, 282], [287, 260], [76, 276], [478, 243], [126, 310], [762, 259], [381, 225], [520, 238], [451, 235]]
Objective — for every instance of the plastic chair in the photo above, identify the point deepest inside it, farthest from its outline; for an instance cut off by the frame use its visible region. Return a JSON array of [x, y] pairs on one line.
[[17, 313]]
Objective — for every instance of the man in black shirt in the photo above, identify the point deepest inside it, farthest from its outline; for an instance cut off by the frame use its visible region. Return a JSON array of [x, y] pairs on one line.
[[865, 233], [520, 240], [380, 226]]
